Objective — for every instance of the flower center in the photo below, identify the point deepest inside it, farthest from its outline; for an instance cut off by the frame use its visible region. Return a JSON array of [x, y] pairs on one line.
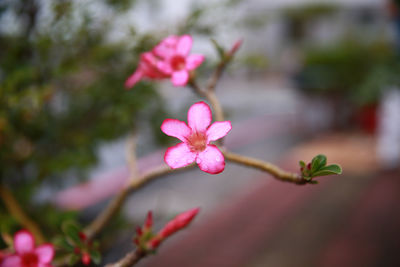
[[29, 259], [178, 62], [197, 142]]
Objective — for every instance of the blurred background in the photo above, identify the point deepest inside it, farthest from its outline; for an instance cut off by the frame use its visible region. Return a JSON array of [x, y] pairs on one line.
[[311, 77]]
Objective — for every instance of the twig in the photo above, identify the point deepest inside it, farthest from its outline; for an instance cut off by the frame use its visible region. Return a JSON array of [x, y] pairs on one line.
[[131, 156], [265, 166], [212, 83], [104, 217], [15, 210], [129, 259]]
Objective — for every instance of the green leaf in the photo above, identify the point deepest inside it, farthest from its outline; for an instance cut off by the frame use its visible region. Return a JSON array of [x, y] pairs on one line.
[[95, 256], [302, 164], [328, 170], [72, 230], [318, 162], [73, 259], [220, 49], [62, 243]]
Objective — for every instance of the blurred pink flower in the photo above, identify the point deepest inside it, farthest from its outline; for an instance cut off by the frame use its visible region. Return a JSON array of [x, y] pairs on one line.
[[196, 140], [147, 69], [170, 58], [177, 62], [27, 255]]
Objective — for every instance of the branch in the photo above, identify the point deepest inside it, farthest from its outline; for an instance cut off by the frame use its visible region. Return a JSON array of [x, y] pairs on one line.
[[265, 166], [15, 210], [129, 259], [104, 217]]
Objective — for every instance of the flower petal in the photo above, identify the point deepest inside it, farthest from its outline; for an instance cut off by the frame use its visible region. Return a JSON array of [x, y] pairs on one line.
[[11, 261], [199, 116], [164, 67], [179, 156], [45, 253], [134, 78], [211, 160], [193, 61], [184, 45], [166, 47], [24, 242], [218, 130], [180, 78], [176, 128]]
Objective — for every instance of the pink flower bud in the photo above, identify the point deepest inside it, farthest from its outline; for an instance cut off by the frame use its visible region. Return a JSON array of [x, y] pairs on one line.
[[235, 47], [149, 220], [154, 243], [178, 223], [86, 258]]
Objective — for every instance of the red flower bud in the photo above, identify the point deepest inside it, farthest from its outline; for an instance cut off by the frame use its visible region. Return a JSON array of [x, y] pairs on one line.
[[179, 222], [139, 231], [154, 242], [235, 47], [77, 250], [149, 220], [86, 258], [309, 166], [82, 236]]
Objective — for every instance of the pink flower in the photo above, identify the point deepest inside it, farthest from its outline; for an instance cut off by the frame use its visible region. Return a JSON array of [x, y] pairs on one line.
[[170, 58], [176, 61], [147, 69], [27, 255], [196, 140]]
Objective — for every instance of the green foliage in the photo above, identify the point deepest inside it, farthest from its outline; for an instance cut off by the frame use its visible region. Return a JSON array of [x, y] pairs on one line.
[[317, 167], [62, 95]]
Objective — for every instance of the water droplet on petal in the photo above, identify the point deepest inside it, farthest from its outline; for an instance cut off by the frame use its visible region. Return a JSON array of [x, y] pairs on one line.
[[217, 159]]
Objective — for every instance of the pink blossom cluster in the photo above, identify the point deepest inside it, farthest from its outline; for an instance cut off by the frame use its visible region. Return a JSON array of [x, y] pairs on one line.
[[169, 59], [196, 137], [27, 254]]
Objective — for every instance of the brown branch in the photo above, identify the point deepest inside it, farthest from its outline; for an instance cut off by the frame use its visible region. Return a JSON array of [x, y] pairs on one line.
[[18, 213], [104, 217], [129, 259], [265, 166], [212, 83]]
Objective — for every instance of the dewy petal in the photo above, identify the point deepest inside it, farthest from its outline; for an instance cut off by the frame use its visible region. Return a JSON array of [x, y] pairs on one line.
[[179, 156], [199, 116], [193, 61], [218, 130], [180, 78], [23, 242], [45, 253], [176, 128], [184, 45], [211, 160], [11, 261], [134, 78]]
